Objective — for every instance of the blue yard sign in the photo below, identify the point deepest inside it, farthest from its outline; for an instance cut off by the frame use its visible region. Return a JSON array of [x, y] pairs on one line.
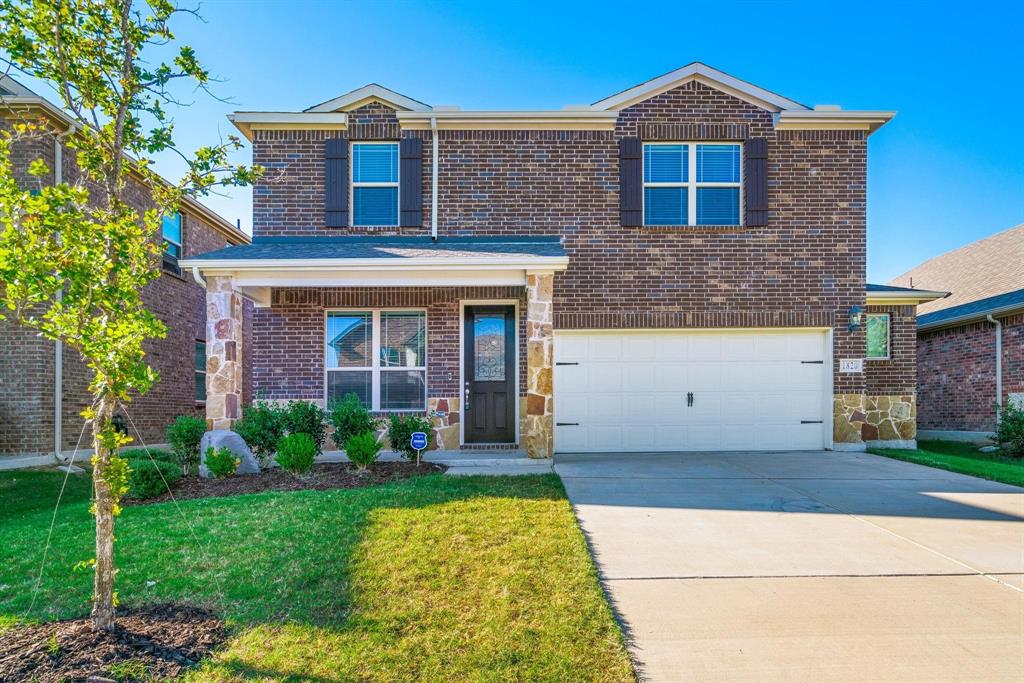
[[418, 440]]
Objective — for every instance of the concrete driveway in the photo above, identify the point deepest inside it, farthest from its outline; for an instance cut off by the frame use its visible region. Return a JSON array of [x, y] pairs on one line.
[[805, 566]]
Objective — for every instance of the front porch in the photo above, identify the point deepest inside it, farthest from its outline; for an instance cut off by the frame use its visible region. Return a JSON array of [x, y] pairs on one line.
[[459, 330]]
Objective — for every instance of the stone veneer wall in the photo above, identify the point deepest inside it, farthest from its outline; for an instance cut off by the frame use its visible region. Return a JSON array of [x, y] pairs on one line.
[[860, 419]]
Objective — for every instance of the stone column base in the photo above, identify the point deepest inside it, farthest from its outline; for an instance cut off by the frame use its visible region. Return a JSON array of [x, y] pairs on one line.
[[860, 419]]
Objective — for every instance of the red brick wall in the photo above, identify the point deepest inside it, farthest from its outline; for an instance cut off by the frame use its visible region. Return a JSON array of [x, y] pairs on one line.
[[956, 374], [288, 338], [807, 268], [898, 374], [27, 362]]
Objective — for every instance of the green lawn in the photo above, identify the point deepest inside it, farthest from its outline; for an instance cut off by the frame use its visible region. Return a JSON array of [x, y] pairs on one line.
[[435, 578], [964, 458]]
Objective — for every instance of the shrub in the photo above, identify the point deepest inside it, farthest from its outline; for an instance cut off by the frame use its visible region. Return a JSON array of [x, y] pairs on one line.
[[362, 449], [148, 478], [1010, 430], [144, 454], [295, 453], [184, 435], [221, 462], [261, 426], [350, 418], [302, 417], [401, 428]]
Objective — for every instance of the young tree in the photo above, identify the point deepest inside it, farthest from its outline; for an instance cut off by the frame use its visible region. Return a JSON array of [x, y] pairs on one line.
[[75, 255]]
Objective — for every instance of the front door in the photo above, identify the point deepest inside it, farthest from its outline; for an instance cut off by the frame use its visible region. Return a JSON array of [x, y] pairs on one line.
[[488, 368]]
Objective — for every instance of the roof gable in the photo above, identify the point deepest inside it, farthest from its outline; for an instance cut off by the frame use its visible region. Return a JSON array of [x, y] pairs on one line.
[[982, 269], [697, 71], [366, 94]]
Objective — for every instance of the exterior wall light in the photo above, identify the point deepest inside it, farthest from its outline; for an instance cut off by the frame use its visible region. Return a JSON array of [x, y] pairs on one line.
[[856, 318]]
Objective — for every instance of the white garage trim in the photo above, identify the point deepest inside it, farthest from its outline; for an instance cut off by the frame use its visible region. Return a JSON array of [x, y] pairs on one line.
[[783, 406]]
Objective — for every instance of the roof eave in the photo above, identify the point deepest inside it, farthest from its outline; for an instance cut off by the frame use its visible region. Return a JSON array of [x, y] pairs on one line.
[[510, 120], [552, 263], [869, 121], [973, 316], [248, 121], [904, 297]]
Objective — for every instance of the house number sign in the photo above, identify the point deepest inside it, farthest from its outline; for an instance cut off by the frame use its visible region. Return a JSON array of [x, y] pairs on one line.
[[851, 365]]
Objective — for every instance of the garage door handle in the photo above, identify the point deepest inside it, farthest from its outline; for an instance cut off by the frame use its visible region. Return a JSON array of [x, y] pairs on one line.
[[810, 422], [566, 363], [567, 424], [812, 362]]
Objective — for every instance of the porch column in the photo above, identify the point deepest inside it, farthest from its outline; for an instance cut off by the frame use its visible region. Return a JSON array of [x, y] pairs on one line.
[[539, 365], [223, 353]]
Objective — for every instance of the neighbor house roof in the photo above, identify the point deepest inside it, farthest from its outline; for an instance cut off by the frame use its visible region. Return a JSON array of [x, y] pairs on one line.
[[16, 97], [1000, 304], [979, 271]]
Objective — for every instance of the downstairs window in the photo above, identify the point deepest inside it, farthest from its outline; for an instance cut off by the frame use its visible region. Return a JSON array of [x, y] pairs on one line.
[[877, 326]]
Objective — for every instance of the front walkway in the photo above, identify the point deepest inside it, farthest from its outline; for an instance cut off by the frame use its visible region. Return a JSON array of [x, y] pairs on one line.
[[806, 566]]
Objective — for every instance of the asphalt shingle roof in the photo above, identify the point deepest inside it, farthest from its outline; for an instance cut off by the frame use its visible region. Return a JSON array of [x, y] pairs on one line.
[[973, 309], [387, 248], [979, 271]]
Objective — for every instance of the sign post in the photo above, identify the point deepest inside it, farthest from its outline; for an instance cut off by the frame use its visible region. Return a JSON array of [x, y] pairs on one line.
[[418, 441]]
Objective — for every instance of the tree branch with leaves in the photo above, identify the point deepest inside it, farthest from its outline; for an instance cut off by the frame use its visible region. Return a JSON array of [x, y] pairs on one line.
[[74, 256]]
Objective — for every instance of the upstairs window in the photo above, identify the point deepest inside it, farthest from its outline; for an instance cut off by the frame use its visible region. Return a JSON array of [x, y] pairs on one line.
[[374, 183], [877, 327], [690, 183], [171, 231]]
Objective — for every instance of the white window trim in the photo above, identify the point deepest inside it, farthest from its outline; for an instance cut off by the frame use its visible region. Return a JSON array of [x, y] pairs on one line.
[[691, 185], [888, 336], [181, 231], [353, 184], [375, 368]]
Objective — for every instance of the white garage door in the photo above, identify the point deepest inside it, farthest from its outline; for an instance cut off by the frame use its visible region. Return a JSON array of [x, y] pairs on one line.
[[690, 391]]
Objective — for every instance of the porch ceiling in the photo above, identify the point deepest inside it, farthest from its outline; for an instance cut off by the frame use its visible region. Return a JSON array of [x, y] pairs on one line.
[[379, 261]]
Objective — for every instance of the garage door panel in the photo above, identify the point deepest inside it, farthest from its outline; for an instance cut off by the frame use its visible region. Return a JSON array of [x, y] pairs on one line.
[[751, 391]]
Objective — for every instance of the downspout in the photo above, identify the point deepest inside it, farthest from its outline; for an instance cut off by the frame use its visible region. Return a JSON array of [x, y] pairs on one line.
[[433, 178], [197, 276], [999, 359]]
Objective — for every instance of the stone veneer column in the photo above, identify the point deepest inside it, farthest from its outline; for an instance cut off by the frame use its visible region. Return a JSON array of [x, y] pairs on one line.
[[223, 353], [539, 364]]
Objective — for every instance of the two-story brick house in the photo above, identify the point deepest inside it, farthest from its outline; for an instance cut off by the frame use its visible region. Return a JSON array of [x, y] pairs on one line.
[[43, 386], [679, 266]]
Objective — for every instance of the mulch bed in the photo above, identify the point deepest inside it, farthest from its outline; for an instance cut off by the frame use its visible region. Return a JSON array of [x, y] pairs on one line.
[[148, 643], [321, 477]]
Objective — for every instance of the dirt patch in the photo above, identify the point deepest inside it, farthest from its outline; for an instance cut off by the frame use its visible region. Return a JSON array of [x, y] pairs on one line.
[[321, 477], [148, 643]]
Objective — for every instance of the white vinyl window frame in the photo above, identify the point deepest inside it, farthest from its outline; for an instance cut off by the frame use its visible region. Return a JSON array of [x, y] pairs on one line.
[[353, 184], [888, 336], [691, 185], [376, 369]]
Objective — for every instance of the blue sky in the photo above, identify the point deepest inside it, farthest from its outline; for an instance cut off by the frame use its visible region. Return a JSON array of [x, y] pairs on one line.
[[947, 170]]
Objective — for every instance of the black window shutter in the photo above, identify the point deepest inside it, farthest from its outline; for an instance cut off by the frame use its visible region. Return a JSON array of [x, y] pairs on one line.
[[755, 153], [630, 182], [410, 189], [336, 183]]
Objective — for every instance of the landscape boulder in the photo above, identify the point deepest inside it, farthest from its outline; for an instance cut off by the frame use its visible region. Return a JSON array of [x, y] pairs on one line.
[[225, 438]]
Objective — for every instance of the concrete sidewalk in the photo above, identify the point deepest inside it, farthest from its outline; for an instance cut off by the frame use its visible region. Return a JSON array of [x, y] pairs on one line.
[[806, 566]]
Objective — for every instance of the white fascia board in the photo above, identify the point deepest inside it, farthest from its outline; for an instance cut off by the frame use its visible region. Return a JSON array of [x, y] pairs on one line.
[[248, 121], [510, 120], [260, 281], [707, 75], [833, 120], [385, 265], [916, 297], [366, 93]]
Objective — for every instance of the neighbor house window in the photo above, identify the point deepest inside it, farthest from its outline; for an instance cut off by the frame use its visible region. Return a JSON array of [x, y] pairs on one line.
[[200, 370], [380, 356], [374, 183], [691, 183], [877, 325], [171, 230]]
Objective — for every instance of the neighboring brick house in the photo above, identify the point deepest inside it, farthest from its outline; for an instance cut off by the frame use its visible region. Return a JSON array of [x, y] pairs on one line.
[[680, 266], [970, 345], [36, 375]]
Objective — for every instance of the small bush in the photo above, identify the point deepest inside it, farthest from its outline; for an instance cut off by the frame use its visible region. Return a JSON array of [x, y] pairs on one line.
[[295, 453], [1010, 431], [362, 449], [261, 426], [302, 417], [149, 478], [401, 428], [350, 418], [144, 454], [184, 435], [221, 462]]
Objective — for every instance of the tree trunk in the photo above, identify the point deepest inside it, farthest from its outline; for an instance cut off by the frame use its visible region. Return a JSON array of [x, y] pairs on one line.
[[103, 587]]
